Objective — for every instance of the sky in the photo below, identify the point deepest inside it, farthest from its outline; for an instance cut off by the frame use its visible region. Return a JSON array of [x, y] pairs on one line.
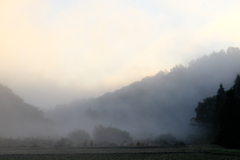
[[55, 51]]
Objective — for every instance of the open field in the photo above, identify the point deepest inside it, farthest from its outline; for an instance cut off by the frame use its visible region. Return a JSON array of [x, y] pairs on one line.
[[123, 156], [195, 152]]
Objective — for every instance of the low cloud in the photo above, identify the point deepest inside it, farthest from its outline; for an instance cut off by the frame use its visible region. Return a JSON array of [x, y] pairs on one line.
[[101, 46]]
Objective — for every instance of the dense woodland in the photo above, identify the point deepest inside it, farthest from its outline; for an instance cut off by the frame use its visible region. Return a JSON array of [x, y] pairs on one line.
[[217, 117], [157, 106]]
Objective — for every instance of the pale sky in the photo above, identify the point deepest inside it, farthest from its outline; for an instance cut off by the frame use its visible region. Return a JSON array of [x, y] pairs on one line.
[[53, 51]]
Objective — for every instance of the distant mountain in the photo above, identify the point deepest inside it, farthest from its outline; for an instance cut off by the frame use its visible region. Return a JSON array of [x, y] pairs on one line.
[[19, 119], [159, 104]]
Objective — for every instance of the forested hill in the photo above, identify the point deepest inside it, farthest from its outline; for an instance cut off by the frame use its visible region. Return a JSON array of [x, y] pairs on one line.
[[159, 104], [19, 119]]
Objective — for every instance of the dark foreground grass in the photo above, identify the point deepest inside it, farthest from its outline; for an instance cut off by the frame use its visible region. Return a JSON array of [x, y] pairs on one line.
[[190, 152], [123, 156]]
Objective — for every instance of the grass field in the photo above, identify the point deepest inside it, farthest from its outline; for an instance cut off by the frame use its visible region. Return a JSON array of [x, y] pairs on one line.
[[122, 156], [191, 152]]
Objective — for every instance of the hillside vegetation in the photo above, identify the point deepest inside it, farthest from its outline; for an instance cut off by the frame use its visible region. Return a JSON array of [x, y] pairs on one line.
[[157, 104], [20, 119]]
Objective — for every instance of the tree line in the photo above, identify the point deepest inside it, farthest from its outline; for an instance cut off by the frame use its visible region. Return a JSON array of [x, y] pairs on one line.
[[217, 117]]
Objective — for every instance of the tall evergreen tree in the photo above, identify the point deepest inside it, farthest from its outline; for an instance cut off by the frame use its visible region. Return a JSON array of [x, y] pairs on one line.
[[206, 121], [229, 120], [220, 100], [236, 86], [219, 115], [229, 134]]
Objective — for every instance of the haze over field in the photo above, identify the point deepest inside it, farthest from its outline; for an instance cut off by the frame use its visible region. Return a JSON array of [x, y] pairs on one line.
[[54, 51], [156, 105], [160, 104], [141, 66]]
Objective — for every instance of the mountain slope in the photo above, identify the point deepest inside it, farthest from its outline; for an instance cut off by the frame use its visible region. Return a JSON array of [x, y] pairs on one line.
[[18, 118], [158, 104]]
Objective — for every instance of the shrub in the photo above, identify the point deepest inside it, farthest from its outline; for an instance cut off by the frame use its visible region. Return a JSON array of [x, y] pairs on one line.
[[110, 134], [166, 139], [79, 136], [63, 142]]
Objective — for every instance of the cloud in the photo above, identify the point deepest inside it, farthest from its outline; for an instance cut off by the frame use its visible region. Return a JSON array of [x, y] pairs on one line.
[[75, 43], [103, 45]]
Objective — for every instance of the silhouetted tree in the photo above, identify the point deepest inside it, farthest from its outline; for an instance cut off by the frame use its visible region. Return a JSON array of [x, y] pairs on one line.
[[236, 86], [205, 111], [207, 115], [229, 120], [220, 100], [229, 134]]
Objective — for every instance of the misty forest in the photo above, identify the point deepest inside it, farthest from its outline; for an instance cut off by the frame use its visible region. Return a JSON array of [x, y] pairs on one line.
[[194, 103]]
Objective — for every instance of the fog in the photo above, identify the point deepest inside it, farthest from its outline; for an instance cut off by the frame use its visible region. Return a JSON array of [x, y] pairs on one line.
[[19, 119], [159, 104]]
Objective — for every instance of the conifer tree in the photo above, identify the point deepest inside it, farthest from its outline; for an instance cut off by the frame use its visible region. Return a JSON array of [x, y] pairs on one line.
[[220, 115], [229, 120], [236, 86], [229, 134], [220, 100], [206, 121]]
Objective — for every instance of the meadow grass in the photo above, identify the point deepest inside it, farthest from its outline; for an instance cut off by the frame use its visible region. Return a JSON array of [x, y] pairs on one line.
[[123, 156], [189, 152]]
